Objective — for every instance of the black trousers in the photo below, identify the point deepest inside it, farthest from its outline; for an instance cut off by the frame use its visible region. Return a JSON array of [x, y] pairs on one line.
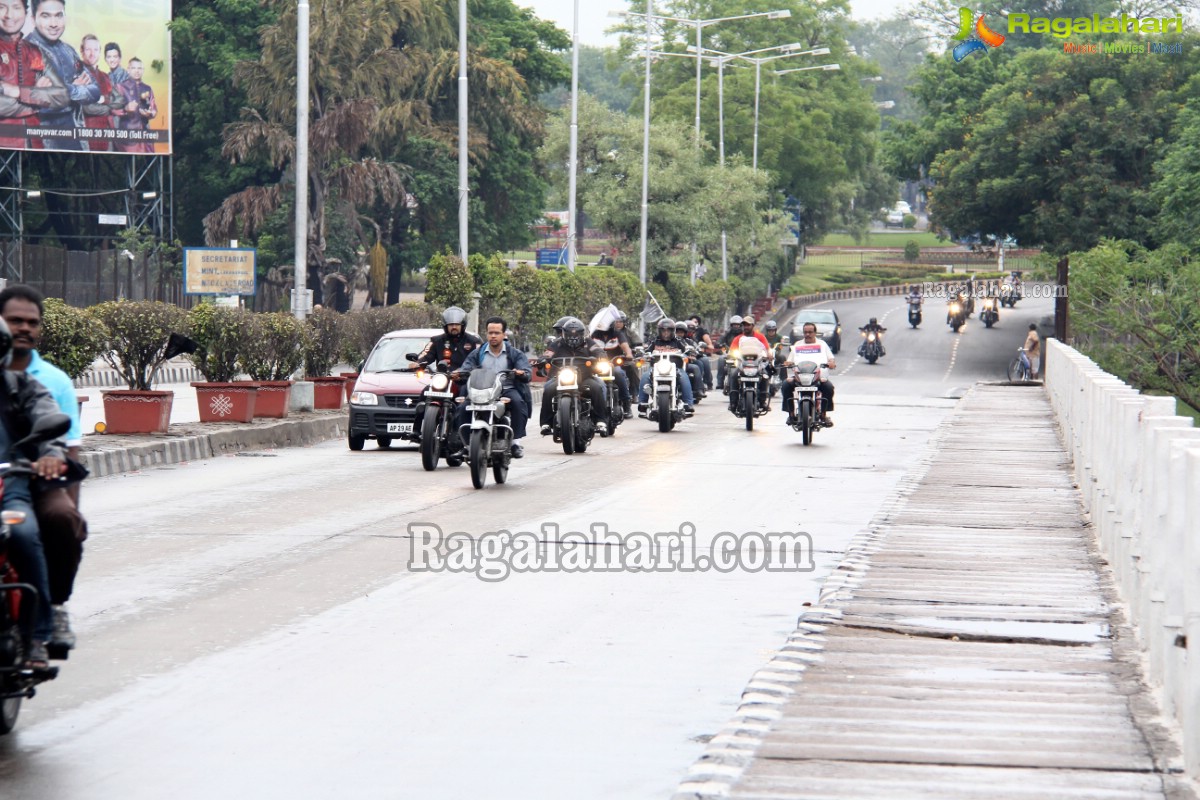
[[595, 390]]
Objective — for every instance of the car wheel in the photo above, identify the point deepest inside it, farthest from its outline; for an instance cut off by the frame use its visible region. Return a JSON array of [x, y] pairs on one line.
[[356, 442], [384, 442]]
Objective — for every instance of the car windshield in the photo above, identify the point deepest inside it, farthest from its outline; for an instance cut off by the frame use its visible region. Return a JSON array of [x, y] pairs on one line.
[[820, 317], [392, 354]]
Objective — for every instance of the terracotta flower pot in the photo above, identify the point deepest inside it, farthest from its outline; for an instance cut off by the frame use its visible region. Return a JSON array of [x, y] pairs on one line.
[[351, 378], [128, 411], [328, 392], [272, 398], [226, 402]]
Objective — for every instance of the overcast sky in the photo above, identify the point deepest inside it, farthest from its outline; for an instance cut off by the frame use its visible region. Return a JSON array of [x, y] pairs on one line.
[[593, 14]]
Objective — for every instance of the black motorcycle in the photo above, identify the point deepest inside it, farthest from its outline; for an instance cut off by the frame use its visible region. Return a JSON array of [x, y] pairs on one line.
[[808, 404], [571, 420], [489, 433], [438, 437], [956, 314], [749, 370], [990, 314]]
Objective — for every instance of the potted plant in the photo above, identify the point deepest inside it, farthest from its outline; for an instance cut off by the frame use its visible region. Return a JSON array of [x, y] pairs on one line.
[[274, 351], [221, 334], [324, 344], [72, 339], [137, 344]]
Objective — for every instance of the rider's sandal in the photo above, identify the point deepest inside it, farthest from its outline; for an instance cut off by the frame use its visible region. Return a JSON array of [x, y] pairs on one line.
[[38, 658]]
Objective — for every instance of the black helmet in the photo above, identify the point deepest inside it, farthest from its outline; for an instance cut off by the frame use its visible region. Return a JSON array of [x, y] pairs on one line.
[[6, 342], [574, 332], [454, 316], [681, 327], [668, 323], [558, 326], [771, 325], [873, 321]]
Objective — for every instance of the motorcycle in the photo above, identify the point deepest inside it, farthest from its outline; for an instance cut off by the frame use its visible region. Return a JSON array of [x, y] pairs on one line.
[[16, 682], [808, 404], [914, 312], [604, 369], [572, 406], [1009, 295], [872, 348], [990, 314], [665, 372], [956, 314], [437, 418], [749, 368], [777, 374], [489, 433]]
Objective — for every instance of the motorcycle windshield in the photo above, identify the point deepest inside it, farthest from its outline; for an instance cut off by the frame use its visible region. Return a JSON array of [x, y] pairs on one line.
[[481, 379], [806, 367]]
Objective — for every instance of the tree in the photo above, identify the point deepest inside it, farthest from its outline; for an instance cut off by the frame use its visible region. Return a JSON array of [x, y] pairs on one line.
[[450, 283], [1177, 184]]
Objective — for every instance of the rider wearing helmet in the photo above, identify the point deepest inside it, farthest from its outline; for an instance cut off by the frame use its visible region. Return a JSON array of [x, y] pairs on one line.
[[616, 345], [28, 401], [453, 344], [666, 341], [695, 376], [735, 330], [874, 327], [575, 343], [771, 331]]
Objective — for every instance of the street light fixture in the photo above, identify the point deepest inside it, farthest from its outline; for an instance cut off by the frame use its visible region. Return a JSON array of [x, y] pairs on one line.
[[825, 67], [699, 25]]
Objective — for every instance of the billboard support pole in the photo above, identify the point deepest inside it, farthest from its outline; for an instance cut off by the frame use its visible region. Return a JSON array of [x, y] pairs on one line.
[[12, 214]]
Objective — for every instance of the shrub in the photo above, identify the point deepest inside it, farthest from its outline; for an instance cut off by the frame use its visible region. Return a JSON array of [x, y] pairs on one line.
[[324, 342], [910, 222], [221, 335], [138, 333], [363, 328], [450, 282], [912, 251], [72, 339], [277, 345]]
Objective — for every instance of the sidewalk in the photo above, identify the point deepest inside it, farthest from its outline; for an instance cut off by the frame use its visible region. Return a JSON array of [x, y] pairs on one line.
[[971, 645]]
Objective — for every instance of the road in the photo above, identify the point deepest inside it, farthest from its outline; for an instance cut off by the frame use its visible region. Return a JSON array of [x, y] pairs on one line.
[[250, 626]]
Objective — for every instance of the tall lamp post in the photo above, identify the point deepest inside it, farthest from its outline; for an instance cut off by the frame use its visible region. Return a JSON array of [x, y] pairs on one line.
[[699, 25], [463, 189], [572, 212], [300, 291]]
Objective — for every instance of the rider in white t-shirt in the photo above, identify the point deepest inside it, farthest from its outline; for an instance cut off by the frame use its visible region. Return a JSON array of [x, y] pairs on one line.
[[810, 348]]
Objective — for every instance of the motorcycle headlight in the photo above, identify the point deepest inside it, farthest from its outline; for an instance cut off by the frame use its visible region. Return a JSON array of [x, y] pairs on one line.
[[364, 399], [663, 367], [954, 308], [807, 378], [440, 382], [567, 377], [603, 368], [871, 338]]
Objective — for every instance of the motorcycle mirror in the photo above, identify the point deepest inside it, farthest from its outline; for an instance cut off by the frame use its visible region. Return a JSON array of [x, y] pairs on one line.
[[412, 356], [45, 428]]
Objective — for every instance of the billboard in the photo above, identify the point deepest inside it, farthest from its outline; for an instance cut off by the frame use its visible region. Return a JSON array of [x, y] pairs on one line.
[[218, 270], [86, 76]]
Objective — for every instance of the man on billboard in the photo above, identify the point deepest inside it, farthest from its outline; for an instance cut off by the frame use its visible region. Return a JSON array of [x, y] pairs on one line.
[[49, 23], [140, 107], [27, 86], [112, 56], [98, 116]]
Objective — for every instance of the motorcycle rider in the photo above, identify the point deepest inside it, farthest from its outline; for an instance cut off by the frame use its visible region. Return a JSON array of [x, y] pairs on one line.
[[575, 342], [810, 349], [914, 296], [616, 345], [621, 326], [63, 529], [500, 355], [697, 331], [453, 344], [771, 332], [735, 330], [765, 378], [22, 401], [666, 342], [695, 375], [874, 327]]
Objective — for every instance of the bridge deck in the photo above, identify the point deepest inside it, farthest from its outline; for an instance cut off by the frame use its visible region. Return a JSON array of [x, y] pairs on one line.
[[971, 647]]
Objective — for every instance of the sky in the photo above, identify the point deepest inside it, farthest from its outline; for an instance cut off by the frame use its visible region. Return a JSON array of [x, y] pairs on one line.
[[593, 15]]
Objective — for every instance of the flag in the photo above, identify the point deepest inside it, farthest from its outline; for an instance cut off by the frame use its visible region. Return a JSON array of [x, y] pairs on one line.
[[652, 312]]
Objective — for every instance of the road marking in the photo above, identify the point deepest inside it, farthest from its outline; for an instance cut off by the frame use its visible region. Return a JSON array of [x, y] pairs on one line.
[[953, 356]]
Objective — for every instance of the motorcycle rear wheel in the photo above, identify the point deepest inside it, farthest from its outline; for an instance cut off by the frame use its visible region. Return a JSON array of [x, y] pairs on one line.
[[664, 412], [479, 458], [566, 425], [806, 421], [431, 439]]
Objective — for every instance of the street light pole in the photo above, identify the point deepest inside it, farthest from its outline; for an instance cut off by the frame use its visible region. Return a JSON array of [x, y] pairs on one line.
[[463, 160], [300, 291], [572, 233], [646, 147]]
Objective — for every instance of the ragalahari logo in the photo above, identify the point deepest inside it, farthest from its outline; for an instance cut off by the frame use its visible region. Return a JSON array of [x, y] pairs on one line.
[[973, 38]]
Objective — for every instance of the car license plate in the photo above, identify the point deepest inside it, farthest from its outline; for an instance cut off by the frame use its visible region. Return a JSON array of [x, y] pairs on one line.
[[399, 427]]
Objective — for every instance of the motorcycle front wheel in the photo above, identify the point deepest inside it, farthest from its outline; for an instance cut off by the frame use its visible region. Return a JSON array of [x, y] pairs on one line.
[[478, 458], [749, 402], [10, 707], [806, 421], [664, 412], [431, 439], [566, 425]]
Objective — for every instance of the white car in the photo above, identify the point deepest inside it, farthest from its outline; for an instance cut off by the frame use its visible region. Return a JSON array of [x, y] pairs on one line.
[[894, 217], [902, 207]]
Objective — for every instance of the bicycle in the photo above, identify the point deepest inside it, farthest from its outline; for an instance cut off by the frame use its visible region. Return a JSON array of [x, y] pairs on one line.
[[1020, 370]]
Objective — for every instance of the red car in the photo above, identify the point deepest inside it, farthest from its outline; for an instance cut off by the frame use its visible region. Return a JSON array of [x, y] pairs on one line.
[[387, 394]]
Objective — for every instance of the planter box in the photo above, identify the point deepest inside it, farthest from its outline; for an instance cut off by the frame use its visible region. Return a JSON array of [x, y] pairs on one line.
[[272, 399], [328, 392], [226, 402], [351, 379], [128, 411]]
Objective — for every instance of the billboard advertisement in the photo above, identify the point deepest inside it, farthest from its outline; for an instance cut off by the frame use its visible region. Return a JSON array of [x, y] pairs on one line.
[[86, 76]]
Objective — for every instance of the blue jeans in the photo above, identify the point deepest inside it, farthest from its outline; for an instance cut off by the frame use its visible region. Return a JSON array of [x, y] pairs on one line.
[[25, 550], [681, 378], [622, 384]]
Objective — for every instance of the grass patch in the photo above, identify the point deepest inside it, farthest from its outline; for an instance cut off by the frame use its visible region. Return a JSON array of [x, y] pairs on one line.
[[888, 239]]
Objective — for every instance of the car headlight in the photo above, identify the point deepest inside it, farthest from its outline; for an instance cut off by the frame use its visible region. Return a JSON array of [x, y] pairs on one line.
[[663, 367], [364, 399], [440, 382], [603, 368], [567, 377]]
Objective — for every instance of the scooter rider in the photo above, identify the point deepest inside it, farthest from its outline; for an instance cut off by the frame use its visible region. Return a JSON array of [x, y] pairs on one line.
[[454, 344], [874, 327], [616, 345], [809, 349], [575, 342], [735, 330], [667, 342]]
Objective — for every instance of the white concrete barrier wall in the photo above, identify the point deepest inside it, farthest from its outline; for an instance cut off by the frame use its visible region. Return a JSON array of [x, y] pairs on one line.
[[1137, 465]]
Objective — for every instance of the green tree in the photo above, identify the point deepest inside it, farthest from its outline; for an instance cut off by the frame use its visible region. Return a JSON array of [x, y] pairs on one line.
[[450, 283], [1177, 184]]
